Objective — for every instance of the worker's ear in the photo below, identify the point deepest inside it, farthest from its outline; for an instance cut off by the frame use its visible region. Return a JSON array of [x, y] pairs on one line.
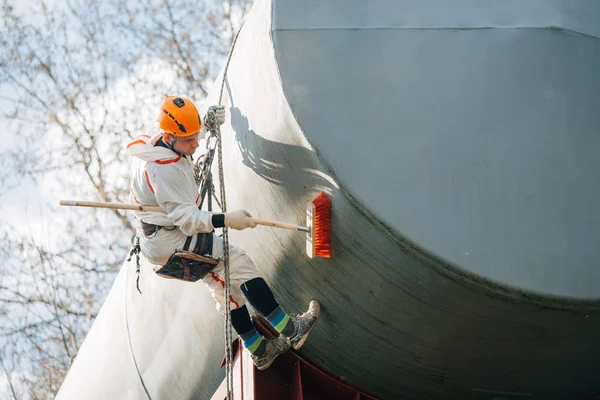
[[167, 138]]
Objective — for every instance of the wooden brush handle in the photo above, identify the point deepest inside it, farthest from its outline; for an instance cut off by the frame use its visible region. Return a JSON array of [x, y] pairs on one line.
[[278, 224], [115, 206], [139, 207]]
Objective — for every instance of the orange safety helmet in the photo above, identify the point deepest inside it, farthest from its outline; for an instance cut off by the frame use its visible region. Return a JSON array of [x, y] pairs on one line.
[[179, 116]]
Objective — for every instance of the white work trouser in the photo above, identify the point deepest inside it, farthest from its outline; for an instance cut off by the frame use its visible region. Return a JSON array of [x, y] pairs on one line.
[[159, 248]]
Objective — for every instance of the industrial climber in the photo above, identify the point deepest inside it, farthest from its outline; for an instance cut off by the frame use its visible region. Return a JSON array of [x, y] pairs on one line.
[[181, 242]]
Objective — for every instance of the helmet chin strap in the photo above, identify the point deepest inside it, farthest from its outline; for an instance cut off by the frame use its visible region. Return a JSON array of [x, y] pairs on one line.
[[172, 144]]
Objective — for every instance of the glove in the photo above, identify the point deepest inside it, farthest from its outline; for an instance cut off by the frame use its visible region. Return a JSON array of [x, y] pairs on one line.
[[215, 116], [239, 219]]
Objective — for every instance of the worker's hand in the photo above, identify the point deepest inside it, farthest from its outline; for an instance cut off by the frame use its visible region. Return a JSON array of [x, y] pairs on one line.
[[239, 219], [215, 117]]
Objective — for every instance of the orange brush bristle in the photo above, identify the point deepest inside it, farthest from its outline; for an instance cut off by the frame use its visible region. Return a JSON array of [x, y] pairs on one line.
[[319, 220]]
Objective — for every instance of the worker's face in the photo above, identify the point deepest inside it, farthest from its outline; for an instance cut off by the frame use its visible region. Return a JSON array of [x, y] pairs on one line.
[[185, 144]]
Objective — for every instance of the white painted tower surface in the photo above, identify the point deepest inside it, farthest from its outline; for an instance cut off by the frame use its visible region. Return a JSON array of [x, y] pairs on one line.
[[459, 143]]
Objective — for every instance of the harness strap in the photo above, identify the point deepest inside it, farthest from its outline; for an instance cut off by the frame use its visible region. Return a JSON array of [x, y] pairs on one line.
[[204, 244], [151, 229], [186, 269], [188, 241]]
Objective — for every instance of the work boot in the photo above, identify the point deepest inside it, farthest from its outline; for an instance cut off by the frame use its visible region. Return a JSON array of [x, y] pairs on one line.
[[303, 325], [273, 348]]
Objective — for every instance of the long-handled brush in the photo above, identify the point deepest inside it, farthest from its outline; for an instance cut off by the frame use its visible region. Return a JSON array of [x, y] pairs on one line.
[[318, 216]]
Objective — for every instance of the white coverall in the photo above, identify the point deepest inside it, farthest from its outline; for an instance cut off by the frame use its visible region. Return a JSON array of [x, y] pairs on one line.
[[161, 177]]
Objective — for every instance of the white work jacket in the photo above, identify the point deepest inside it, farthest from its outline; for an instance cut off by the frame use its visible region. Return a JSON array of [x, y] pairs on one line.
[[161, 177]]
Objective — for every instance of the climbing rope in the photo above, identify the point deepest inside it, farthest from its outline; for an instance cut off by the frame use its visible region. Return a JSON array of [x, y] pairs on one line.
[[203, 172], [228, 333]]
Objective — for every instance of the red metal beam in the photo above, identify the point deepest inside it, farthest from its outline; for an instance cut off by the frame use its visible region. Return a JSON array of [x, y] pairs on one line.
[[289, 377]]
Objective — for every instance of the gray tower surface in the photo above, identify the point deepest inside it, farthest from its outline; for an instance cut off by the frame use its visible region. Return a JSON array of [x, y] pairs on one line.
[[459, 142]]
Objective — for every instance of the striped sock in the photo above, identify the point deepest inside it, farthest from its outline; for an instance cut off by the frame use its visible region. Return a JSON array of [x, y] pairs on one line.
[[254, 342], [281, 322]]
